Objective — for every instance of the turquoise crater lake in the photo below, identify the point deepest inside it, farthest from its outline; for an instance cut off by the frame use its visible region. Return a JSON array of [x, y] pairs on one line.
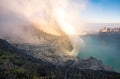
[[103, 46]]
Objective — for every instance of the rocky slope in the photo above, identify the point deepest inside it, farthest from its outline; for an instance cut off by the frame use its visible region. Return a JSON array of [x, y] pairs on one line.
[[56, 50], [52, 48], [47, 53], [16, 64], [48, 59]]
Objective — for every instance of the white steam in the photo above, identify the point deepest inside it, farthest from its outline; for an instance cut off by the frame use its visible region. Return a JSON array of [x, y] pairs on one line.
[[48, 15]]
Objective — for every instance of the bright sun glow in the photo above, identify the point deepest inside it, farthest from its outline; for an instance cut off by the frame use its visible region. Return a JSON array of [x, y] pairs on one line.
[[65, 26]]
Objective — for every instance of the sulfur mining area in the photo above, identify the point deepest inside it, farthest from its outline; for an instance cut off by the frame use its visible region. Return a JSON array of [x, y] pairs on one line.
[[54, 48], [47, 56], [45, 39], [47, 46]]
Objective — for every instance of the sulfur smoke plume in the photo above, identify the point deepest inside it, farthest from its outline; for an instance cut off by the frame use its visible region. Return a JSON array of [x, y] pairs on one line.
[[48, 15]]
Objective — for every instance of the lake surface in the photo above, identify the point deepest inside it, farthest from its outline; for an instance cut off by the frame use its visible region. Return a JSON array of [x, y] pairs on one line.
[[105, 47]]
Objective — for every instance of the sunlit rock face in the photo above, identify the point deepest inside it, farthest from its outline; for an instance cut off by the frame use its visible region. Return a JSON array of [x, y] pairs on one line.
[[61, 41], [37, 23], [53, 48]]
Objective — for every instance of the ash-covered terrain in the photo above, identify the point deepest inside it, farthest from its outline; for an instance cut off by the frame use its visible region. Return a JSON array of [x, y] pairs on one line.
[[49, 59]]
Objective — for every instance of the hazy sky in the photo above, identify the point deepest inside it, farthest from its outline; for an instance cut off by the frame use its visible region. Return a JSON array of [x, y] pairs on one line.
[[68, 14], [101, 11]]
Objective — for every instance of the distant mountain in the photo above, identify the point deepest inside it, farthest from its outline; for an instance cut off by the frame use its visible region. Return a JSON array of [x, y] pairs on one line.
[[107, 36]]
